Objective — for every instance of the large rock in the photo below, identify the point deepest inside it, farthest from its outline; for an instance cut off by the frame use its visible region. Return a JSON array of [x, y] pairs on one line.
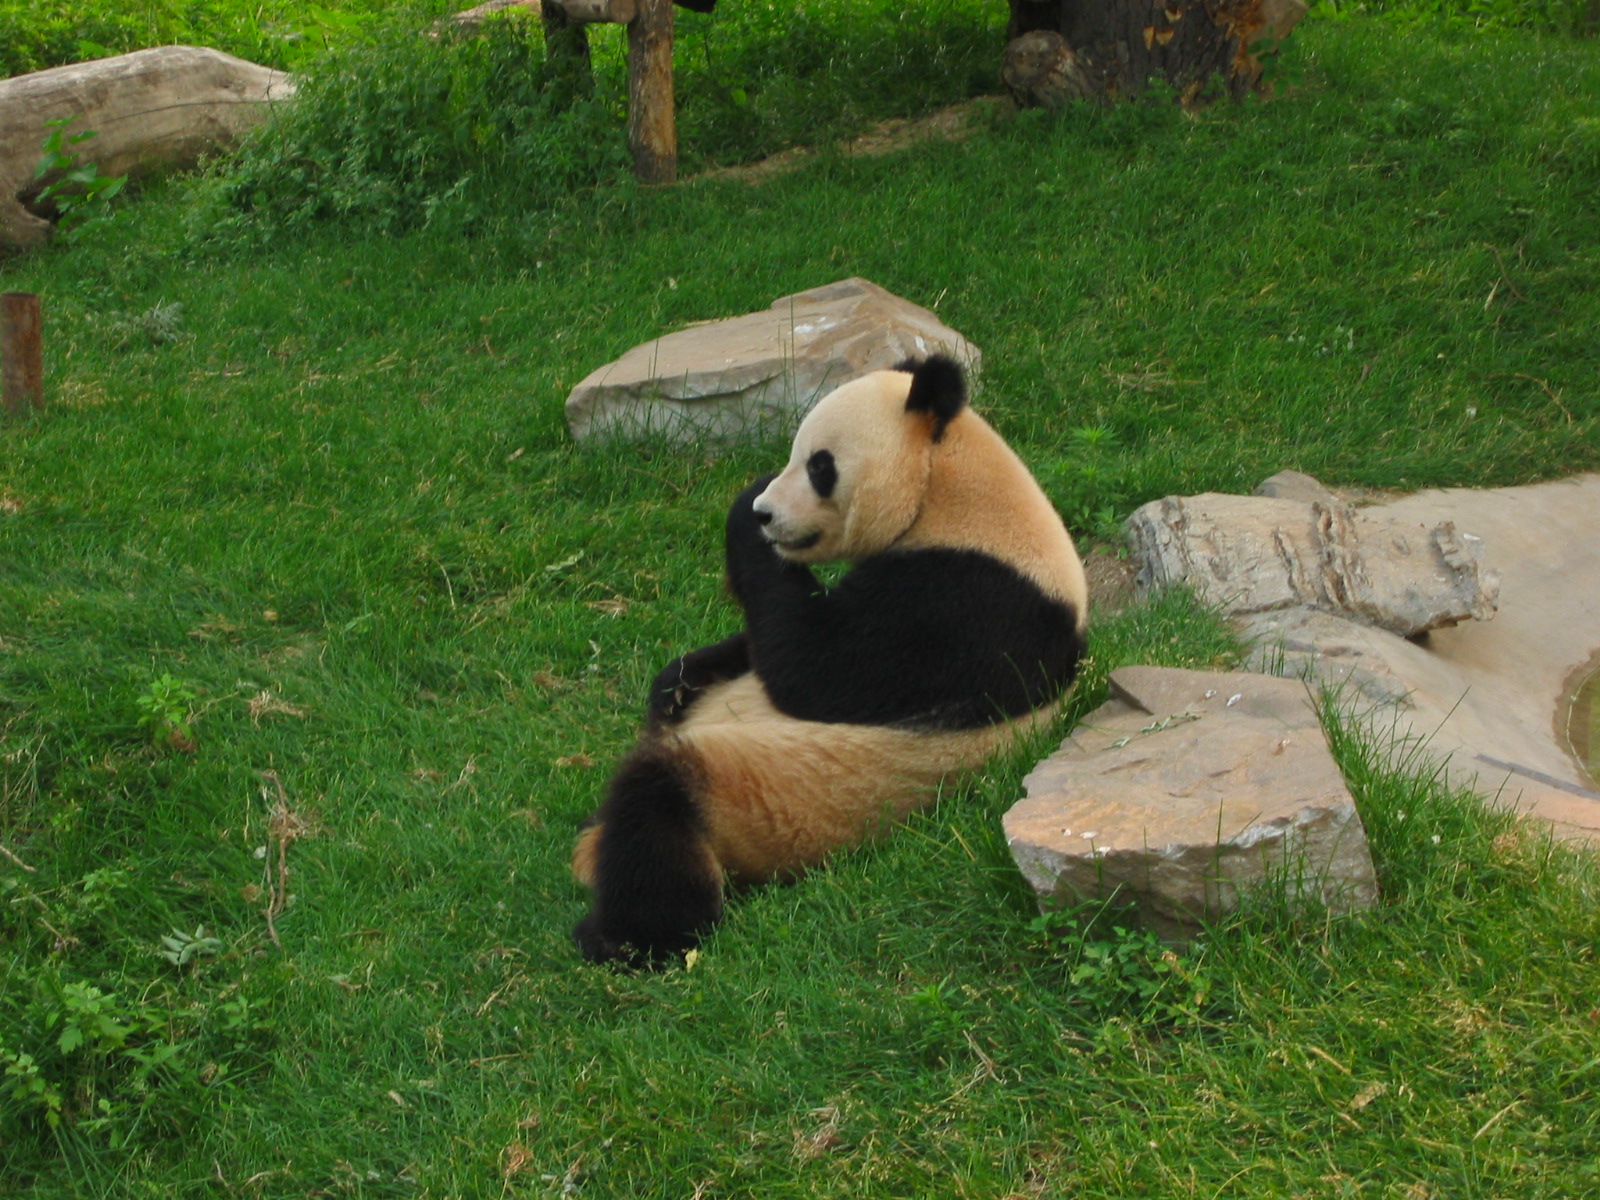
[[1184, 793], [757, 374], [154, 109], [1489, 699], [1252, 554]]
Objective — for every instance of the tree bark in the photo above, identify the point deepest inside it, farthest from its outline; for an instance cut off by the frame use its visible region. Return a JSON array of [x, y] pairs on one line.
[[153, 109], [1114, 49], [652, 124]]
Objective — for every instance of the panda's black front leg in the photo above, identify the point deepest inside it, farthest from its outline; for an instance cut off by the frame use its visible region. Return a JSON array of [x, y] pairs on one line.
[[758, 576], [680, 682]]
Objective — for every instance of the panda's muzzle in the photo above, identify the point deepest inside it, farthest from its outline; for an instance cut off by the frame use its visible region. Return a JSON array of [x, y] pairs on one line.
[[764, 517], [805, 543]]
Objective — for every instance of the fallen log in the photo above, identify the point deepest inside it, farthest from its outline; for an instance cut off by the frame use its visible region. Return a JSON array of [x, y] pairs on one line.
[[160, 109]]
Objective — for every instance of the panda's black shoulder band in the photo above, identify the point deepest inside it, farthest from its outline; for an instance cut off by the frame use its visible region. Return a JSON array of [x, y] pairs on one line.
[[938, 388]]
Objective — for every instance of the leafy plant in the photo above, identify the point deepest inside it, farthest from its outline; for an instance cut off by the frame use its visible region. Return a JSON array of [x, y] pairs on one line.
[[934, 1019], [166, 713], [78, 1056], [1125, 973], [81, 195], [159, 325], [394, 131], [1086, 483], [180, 949]]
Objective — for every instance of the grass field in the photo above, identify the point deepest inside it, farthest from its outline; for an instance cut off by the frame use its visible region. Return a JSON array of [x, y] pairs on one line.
[[318, 636]]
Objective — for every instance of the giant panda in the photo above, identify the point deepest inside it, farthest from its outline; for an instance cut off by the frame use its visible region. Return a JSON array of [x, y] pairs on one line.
[[839, 709]]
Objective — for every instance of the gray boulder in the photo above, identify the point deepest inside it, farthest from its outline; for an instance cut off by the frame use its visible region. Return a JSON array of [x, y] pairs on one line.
[[1253, 554], [757, 375], [1186, 792]]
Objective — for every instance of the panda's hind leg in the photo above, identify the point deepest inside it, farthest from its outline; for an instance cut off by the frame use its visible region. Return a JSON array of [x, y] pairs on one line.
[[657, 886]]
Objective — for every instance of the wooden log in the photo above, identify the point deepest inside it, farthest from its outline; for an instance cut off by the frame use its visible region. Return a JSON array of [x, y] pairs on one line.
[[21, 353], [652, 125], [471, 19], [150, 110], [598, 12]]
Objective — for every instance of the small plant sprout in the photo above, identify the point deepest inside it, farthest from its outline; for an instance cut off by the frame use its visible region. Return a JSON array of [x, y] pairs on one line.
[[1090, 438], [166, 713], [81, 196], [181, 949]]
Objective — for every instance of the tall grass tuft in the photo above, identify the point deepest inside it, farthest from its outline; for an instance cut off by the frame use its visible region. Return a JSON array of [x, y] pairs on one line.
[[396, 130]]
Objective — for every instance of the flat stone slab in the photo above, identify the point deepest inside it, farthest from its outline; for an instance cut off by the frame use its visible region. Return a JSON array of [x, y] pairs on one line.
[[757, 375], [1486, 697], [1184, 793], [1251, 554]]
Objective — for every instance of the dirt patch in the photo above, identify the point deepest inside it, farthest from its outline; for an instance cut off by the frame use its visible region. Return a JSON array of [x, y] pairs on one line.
[[1110, 578], [948, 125]]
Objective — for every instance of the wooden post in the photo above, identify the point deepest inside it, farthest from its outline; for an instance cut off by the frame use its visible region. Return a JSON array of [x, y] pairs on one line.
[[21, 353], [652, 127]]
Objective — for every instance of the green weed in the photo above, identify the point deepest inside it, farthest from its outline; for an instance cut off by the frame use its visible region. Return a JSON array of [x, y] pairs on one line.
[[1117, 973], [79, 195], [166, 712], [394, 131]]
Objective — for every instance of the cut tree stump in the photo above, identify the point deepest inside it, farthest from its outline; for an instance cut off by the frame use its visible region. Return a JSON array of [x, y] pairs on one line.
[[1061, 50], [150, 110], [21, 353]]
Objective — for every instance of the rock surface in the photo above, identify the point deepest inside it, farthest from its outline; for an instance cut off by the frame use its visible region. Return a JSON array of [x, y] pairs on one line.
[[1183, 794], [1486, 697], [758, 374], [1295, 485], [1253, 554]]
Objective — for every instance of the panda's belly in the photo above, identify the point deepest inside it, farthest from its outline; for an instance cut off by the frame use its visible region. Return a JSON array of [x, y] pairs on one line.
[[743, 699], [779, 794]]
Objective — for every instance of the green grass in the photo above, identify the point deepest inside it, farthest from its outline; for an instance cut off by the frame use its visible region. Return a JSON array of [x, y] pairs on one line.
[[36, 34], [339, 474]]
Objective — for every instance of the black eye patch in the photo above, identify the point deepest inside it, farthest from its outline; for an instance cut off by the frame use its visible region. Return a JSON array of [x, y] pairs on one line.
[[822, 472]]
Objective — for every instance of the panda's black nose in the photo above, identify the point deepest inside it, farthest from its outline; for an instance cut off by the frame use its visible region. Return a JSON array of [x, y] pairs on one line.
[[762, 517]]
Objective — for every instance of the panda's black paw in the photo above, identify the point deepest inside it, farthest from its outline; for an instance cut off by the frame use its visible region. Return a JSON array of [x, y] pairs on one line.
[[749, 551], [680, 683], [596, 947], [671, 695], [743, 522]]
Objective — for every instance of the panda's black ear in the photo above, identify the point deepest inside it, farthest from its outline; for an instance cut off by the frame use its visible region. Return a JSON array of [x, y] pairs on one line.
[[938, 388]]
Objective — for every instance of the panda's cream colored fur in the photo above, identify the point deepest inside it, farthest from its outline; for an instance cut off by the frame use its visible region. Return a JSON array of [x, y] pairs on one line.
[[780, 795], [958, 628]]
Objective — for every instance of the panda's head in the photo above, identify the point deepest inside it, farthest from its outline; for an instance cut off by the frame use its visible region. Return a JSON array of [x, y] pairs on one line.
[[859, 467]]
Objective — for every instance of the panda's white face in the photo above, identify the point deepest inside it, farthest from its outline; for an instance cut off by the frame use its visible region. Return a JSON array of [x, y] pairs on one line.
[[855, 477]]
